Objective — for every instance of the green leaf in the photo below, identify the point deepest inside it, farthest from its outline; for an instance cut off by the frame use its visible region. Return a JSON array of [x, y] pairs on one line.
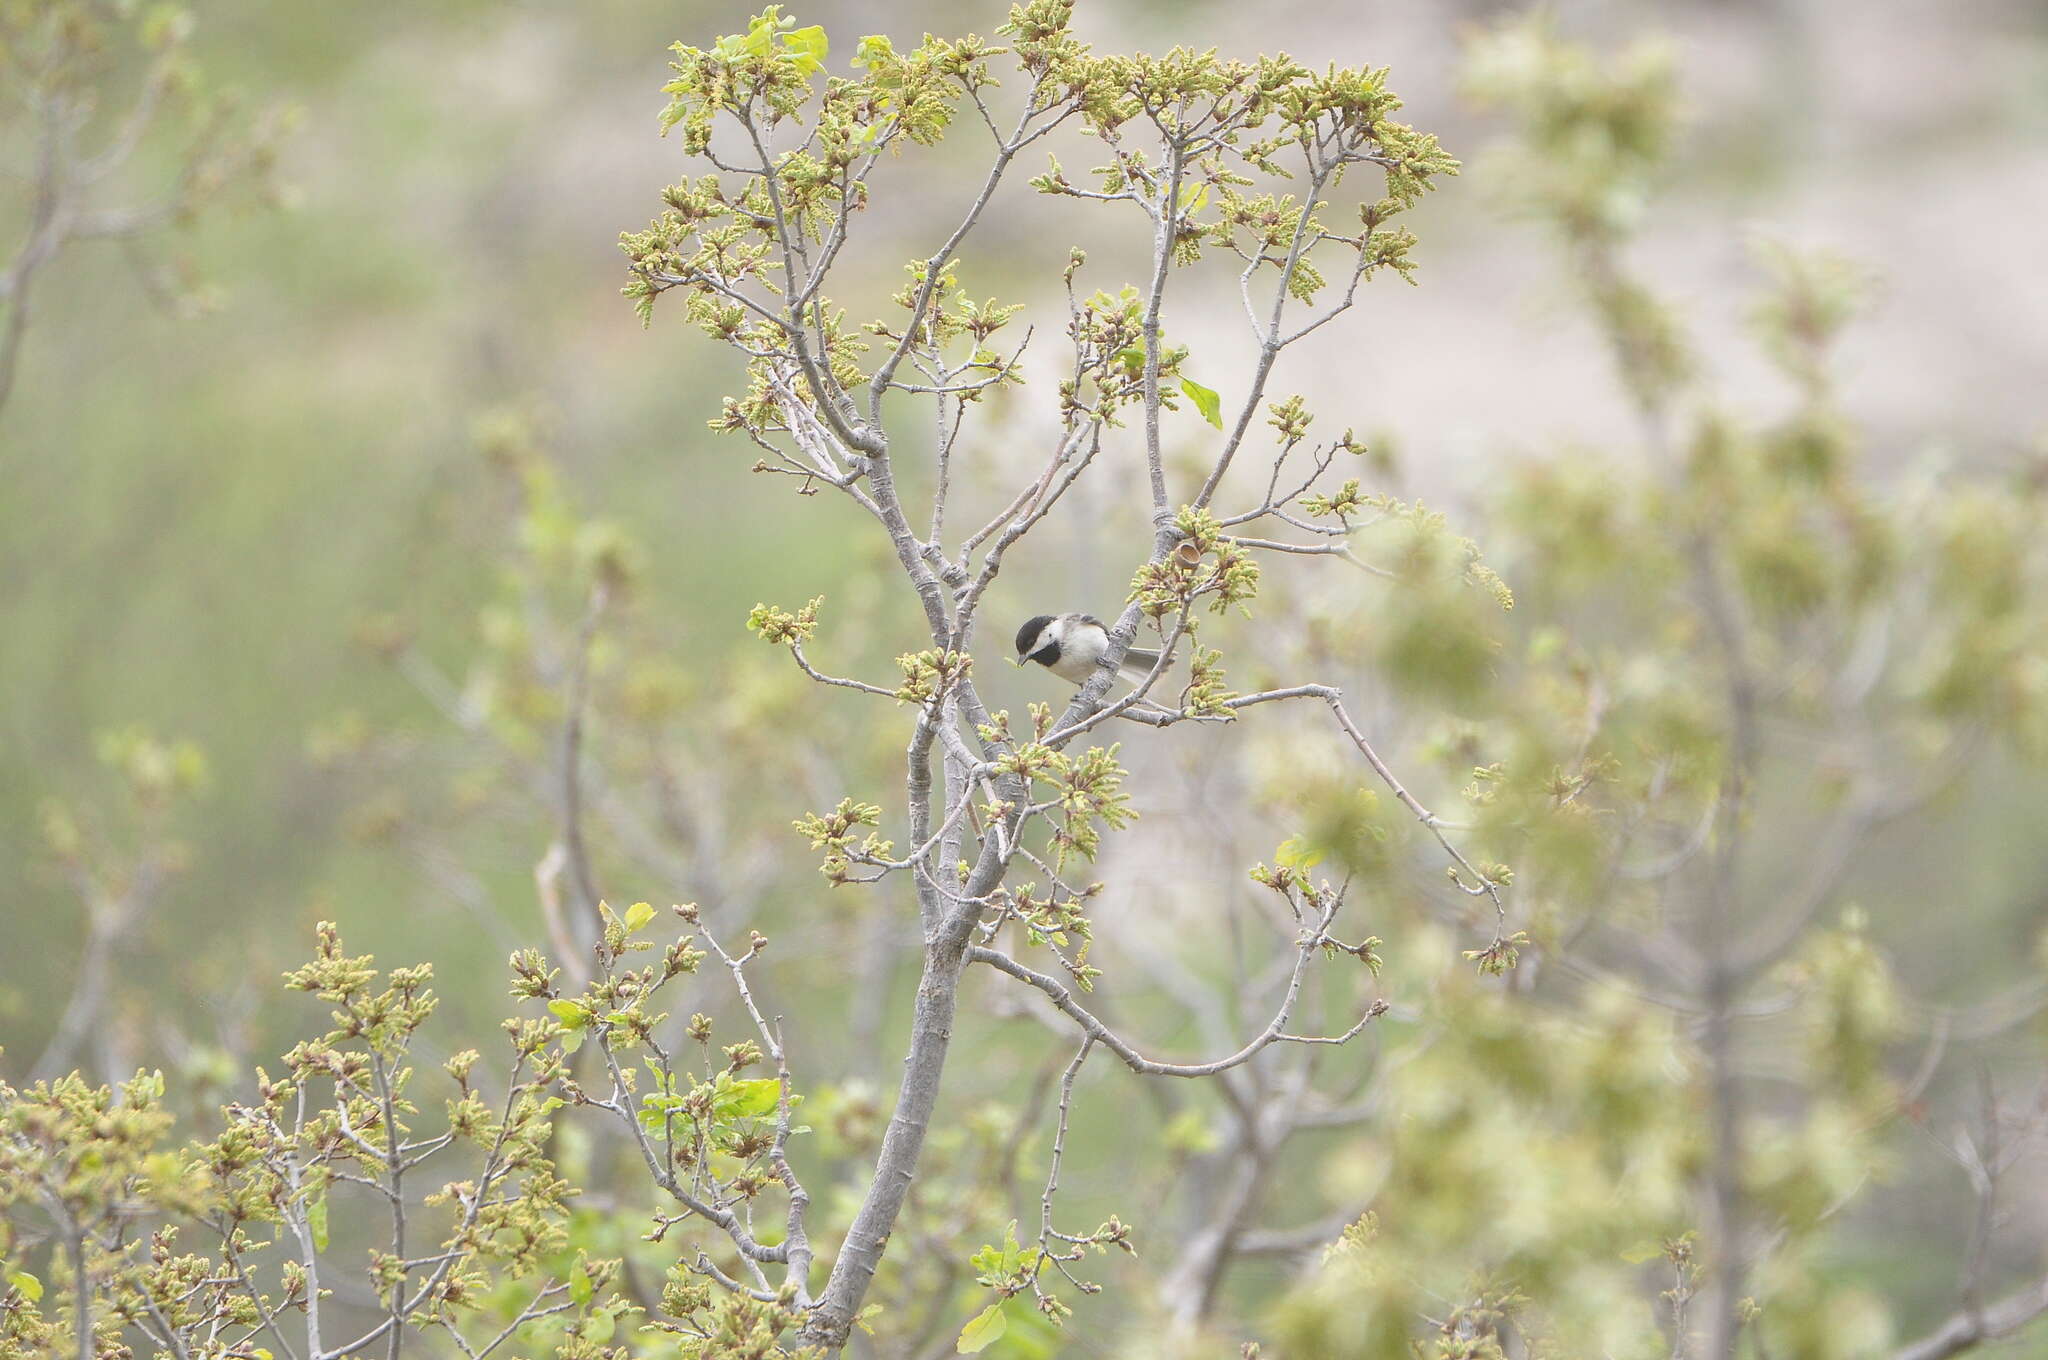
[[1641, 1252], [27, 1285], [637, 916], [599, 1327], [575, 1023], [808, 46], [1189, 1132], [749, 1099], [1296, 853], [1007, 1259], [581, 1287], [875, 50], [316, 1220], [986, 1326], [1206, 401]]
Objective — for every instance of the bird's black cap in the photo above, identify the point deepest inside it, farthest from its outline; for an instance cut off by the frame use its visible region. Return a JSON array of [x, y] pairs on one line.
[[1029, 632]]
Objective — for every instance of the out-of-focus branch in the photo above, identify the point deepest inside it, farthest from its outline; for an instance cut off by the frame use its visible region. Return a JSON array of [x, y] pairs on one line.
[[1062, 998], [1837, 854], [1252, 1158], [59, 64], [1288, 1241], [547, 884], [1970, 1328], [575, 854], [45, 235], [107, 921]]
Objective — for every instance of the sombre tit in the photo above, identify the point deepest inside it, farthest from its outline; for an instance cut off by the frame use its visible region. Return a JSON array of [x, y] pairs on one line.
[[1070, 646]]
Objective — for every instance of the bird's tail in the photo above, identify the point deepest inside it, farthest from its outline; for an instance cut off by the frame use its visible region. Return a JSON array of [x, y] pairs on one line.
[[1140, 660]]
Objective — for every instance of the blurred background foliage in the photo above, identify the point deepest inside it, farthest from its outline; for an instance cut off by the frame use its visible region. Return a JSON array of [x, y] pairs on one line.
[[338, 517]]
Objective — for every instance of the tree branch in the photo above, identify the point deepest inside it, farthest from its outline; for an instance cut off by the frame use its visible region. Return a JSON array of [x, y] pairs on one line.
[[1970, 1328]]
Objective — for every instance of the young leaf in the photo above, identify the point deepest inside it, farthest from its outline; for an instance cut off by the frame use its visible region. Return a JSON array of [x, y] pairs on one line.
[[316, 1221], [749, 1099], [1297, 853], [575, 1022], [637, 916], [1205, 400], [27, 1285], [807, 46], [986, 1326]]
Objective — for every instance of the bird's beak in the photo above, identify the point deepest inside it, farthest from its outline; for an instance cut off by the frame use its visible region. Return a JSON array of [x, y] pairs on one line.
[[1016, 661]]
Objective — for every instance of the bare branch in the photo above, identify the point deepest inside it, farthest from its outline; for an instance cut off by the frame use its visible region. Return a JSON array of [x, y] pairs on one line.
[[1274, 1032], [1972, 1327]]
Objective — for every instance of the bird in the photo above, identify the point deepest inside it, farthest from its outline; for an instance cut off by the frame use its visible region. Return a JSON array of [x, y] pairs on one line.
[[1070, 645]]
